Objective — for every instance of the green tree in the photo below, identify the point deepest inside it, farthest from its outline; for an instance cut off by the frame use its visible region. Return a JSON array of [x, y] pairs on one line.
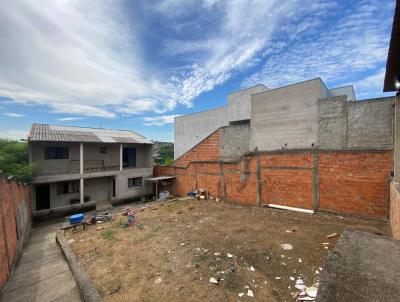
[[14, 160]]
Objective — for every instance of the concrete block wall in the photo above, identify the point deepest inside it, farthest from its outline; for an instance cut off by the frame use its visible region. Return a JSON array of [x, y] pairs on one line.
[[235, 141], [190, 129], [370, 124], [286, 117], [15, 224]]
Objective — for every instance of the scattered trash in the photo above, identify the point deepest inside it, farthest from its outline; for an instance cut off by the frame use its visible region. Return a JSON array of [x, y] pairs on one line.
[[217, 254], [163, 195], [312, 291], [290, 231], [278, 278], [291, 278], [229, 255], [240, 294], [182, 244], [158, 280], [252, 268], [287, 246], [332, 235], [250, 293], [131, 218], [300, 284], [300, 260], [213, 280]]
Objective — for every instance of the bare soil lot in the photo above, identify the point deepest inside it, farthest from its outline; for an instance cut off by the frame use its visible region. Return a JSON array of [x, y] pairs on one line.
[[174, 249]]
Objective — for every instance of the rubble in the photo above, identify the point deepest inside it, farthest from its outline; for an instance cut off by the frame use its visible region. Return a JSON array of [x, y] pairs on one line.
[[250, 293]]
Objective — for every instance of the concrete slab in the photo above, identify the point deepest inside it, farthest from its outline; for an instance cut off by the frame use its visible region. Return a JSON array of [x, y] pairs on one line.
[[44, 290], [42, 274], [362, 267]]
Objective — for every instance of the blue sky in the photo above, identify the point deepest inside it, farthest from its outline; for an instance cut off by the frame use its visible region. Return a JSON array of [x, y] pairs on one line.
[[137, 64]]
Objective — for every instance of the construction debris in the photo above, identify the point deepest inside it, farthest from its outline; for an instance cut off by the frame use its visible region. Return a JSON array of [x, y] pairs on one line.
[[287, 246], [250, 293]]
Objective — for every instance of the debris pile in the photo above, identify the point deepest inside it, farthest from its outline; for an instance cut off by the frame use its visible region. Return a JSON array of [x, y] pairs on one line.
[[304, 293]]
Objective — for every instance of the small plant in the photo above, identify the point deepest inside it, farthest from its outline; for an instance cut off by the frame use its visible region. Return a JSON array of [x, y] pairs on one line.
[[109, 235], [140, 226], [120, 223]]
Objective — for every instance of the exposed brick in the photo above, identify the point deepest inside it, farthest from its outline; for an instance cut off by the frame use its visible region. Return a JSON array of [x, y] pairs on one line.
[[349, 181], [355, 182], [395, 209]]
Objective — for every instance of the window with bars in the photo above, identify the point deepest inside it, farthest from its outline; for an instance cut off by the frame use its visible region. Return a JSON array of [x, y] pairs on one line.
[[135, 182]]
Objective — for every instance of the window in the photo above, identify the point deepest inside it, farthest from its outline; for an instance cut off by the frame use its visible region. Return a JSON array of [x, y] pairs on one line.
[[129, 157], [62, 188], [56, 153], [135, 182], [103, 150]]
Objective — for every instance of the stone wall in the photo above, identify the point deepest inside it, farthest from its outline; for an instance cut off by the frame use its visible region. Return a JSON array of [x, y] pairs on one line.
[[15, 223]]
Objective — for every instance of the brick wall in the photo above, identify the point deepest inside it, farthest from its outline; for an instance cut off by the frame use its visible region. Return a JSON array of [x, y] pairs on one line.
[[15, 223], [208, 149], [353, 182], [395, 209]]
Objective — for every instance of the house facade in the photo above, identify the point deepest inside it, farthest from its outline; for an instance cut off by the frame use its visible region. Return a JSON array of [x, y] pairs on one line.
[[82, 166]]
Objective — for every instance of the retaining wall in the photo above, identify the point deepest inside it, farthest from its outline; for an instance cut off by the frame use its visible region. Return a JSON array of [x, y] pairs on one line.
[[15, 223]]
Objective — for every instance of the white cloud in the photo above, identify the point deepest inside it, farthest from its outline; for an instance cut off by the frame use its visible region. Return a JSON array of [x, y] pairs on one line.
[[355, 44], [80, 57], [159, 120], [92, 58], [68, 119], [13, 134], [13, 114]]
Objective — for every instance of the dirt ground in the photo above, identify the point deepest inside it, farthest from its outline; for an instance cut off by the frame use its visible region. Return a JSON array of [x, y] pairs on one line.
[[174, 249]]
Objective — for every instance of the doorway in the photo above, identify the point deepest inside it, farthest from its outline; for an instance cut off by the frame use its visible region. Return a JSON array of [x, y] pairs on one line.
[[113, 188], [42, 197]]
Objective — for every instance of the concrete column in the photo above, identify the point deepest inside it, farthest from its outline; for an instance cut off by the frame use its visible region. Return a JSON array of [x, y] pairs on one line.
[[121, 157], [81, 190], [81, 158], [396, 142]]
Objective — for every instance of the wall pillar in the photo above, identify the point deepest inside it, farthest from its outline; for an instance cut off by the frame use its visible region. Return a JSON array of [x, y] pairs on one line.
[[396, 136], [81, 190], [81, 159], [81, 186], [121, 157]]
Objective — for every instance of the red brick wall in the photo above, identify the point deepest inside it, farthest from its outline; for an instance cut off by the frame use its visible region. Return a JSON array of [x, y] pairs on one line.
[[207, 149], [395, 209], [15, 200], [351, 181], [355, 182], [287, 179]]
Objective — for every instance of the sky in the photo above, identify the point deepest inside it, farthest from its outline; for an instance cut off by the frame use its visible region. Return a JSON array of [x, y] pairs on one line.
[[136, 64]]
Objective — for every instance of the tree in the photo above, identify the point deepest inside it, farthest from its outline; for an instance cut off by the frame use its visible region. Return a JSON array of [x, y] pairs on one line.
[[14, 160]]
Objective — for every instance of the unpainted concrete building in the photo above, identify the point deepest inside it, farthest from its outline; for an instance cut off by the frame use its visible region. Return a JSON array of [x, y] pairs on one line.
[[305, 115], [82, 166]]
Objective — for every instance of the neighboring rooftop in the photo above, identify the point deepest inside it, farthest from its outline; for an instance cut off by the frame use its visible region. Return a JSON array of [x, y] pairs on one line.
[[393, 60], [56, 133]]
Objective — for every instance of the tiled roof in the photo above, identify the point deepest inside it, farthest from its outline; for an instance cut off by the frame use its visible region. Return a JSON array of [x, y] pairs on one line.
[[54, 133]]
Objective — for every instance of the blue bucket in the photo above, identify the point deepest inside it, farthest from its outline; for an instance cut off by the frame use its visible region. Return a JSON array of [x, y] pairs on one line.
[[77, 218]]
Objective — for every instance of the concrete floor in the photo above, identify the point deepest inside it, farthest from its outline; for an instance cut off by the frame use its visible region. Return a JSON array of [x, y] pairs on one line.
[[42, 274]]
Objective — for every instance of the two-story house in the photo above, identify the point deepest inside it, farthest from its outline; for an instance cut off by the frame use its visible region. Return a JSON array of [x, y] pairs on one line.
[[79, 165]]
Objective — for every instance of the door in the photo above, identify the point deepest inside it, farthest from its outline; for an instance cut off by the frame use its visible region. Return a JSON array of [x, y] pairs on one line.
[[42, 197], [113, 187]]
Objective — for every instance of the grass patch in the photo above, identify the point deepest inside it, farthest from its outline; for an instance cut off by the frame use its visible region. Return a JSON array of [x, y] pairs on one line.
[[109, 235]]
